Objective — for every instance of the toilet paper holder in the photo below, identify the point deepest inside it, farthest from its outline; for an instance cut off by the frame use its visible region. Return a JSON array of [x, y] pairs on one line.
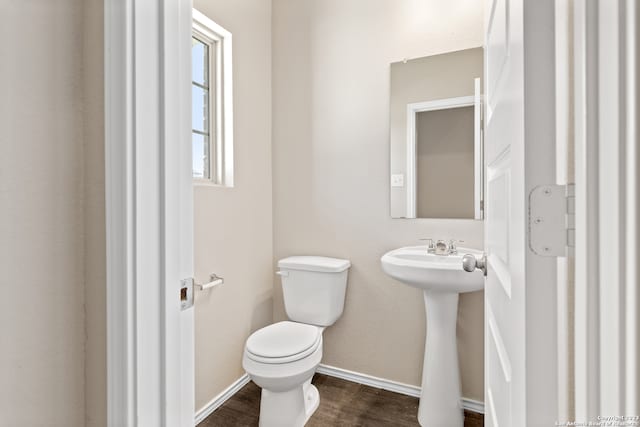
[[213, 282]]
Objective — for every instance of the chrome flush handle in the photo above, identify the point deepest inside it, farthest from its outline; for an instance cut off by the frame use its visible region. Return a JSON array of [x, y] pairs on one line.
[[470, 263]]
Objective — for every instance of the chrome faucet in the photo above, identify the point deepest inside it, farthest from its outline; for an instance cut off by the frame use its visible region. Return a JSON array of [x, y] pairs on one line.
[[431, 249], [441, 247]]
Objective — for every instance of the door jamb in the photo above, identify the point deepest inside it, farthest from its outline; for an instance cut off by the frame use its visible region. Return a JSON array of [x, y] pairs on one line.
[[607, 342], [144, 124]]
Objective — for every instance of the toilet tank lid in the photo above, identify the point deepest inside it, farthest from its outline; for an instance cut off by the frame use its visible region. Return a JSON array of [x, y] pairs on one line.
[[314, 263]]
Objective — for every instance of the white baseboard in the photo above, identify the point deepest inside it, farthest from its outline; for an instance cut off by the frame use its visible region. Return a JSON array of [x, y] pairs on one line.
[[357, 377], [384, 384], [473, 405], [217, 401]]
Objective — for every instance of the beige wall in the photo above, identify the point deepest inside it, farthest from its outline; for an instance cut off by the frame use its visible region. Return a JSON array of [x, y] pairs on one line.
[[233, 226], [42, 331], [331, 170], [445, 163], [430, 78]]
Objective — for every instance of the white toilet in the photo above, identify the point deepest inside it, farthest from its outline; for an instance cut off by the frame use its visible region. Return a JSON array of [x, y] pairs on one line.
[[282, 358]]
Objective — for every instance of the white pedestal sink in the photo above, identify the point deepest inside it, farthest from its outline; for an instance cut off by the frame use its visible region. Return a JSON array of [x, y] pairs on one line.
[[441, 278]]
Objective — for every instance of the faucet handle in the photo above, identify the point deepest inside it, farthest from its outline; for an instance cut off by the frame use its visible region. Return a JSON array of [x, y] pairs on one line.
[[430, 245]]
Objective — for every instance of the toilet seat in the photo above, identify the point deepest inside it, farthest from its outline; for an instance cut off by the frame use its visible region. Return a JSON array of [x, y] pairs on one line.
[[283, 342]]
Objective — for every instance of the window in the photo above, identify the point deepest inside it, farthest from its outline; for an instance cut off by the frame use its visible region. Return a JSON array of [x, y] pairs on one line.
[[211, 102], [201, 111]]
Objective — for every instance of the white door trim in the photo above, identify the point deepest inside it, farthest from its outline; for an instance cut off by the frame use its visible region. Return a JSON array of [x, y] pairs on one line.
[[564, 175], [607, 209], [119, 216], [147, 58], [631, 196]]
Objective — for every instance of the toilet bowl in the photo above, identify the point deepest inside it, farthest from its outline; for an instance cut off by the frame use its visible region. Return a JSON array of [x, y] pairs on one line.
[[282, 358], [283, 365]]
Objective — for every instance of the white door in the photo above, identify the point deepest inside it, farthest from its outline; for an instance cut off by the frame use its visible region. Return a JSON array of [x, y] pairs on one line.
[[520, 294]]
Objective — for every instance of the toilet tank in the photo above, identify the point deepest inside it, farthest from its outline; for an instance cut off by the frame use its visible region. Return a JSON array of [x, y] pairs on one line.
[[314, 288]]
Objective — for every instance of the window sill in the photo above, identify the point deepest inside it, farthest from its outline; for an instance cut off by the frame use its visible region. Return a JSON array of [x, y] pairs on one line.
[[207, 183]]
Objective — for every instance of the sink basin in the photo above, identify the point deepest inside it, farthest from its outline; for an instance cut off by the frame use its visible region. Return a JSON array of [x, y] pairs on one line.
[[413, 266], [442, 279]]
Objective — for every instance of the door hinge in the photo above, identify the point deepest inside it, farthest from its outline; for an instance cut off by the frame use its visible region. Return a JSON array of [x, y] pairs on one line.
[[552, 220], [186, 293]]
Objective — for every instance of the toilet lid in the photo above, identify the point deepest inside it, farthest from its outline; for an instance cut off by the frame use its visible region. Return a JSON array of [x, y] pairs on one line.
[[314, 263], [283, 340]]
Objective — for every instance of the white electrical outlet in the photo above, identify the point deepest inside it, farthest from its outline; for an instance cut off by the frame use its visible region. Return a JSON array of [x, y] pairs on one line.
[[397, 180]]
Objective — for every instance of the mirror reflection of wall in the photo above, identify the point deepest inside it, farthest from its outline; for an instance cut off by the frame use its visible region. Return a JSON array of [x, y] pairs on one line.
[[435, 136], [445, 154]]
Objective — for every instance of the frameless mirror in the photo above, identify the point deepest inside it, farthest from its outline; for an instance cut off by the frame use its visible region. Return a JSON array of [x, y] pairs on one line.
[[436, 136]]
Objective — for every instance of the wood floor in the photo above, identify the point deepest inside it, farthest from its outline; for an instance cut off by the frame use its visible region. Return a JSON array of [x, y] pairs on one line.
[[342, 404]]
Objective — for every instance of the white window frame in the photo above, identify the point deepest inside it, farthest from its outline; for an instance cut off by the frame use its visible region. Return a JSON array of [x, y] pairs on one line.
[[220, 141]]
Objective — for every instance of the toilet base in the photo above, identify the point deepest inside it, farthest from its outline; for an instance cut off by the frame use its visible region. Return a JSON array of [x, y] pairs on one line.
[[312, 399], [291, 408]]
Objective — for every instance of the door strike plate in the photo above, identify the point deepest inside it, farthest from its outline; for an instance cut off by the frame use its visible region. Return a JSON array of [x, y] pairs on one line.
[[186, 293]]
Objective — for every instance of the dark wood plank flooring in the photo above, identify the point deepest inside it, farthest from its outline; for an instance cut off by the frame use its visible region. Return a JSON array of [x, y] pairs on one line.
[[342, 404]]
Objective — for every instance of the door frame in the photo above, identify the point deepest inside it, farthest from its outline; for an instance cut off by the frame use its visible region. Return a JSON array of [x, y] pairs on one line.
[[607, 164], [148, 212]]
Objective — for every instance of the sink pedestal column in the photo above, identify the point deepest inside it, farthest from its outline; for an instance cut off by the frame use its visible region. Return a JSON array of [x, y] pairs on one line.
[[440, 404]]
